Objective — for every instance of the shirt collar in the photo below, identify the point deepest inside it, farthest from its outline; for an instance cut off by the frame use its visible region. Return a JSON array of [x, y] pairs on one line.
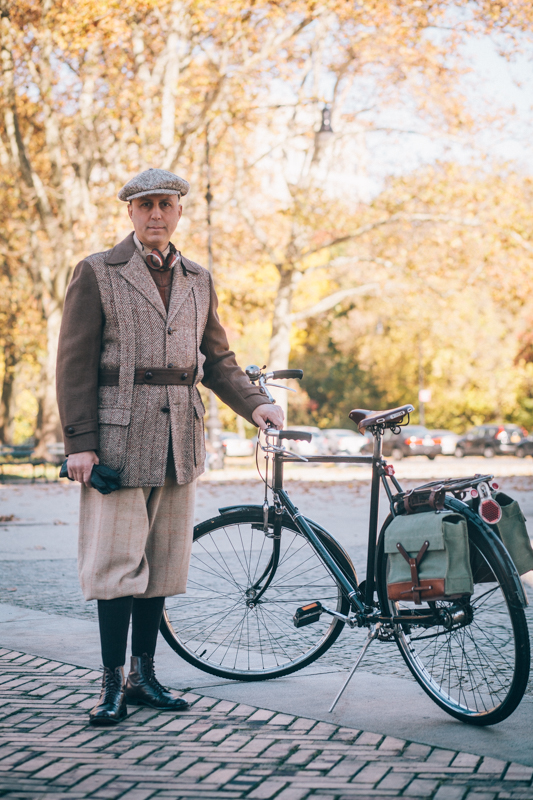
[[144, 251]]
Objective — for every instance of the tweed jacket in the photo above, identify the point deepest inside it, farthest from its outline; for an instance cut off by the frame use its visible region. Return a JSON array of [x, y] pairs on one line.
[[114, 318]]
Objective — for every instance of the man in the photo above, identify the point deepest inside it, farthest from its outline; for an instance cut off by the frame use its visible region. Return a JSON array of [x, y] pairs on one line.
[[140, 330]]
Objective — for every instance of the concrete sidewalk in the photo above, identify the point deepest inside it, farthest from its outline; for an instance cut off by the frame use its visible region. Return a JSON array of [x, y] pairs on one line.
[[217, 749], [374, 703]]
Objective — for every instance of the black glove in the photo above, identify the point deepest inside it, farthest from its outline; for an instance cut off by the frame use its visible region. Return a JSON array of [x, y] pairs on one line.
[[103, 478]]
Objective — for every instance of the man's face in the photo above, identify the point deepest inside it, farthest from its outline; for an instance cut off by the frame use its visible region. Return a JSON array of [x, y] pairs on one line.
[[155, 217]]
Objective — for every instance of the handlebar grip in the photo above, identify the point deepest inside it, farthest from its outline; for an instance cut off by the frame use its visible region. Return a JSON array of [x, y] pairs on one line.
[[279, 374], [296, 435]]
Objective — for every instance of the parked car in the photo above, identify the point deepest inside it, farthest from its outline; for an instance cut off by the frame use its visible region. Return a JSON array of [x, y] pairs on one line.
[[525, 447], [234, 445], [414, 440], [343, 441], [489, 440], [447, 440]]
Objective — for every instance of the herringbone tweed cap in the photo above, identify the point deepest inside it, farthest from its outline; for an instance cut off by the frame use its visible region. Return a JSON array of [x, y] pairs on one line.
[[153, 181]]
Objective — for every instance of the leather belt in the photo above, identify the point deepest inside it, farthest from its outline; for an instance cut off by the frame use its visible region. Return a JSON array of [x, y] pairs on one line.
[[158, 376]]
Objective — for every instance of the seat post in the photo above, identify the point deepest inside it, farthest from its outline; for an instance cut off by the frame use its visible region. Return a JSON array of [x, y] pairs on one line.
[[373, 521]]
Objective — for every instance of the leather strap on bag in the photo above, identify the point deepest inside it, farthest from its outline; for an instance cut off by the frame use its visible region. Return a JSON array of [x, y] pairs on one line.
[[414, 563], [420, 499], [158, 376]]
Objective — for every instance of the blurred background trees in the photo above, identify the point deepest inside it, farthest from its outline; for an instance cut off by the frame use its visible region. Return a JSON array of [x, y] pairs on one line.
[[359, 262]]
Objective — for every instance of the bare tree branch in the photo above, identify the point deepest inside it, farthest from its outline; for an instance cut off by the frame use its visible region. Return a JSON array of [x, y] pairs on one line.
[[337, 297], [400, 217]]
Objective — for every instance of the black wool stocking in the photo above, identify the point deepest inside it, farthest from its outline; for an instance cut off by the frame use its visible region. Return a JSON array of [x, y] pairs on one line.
[[114, 619], [145, 621]]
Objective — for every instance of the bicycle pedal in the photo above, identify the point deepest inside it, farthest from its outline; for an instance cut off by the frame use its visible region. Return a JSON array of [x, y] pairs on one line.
[[308, 614]]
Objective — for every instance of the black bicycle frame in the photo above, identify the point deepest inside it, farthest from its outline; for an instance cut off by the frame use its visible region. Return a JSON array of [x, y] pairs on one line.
[[362, 606]]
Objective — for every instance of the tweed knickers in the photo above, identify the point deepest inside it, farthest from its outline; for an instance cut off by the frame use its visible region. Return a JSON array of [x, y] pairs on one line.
[[136, 541]]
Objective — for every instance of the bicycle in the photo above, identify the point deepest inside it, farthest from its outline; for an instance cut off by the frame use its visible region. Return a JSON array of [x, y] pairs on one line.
[[270, 590]]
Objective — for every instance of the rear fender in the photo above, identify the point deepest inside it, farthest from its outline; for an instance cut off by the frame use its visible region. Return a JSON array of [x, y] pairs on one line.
[[479, 530]]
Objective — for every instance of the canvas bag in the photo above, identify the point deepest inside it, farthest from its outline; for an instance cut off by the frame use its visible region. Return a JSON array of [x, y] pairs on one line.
[[511, 529], [443, 570]]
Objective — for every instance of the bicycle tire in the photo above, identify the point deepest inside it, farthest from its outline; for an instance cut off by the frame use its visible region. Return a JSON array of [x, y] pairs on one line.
[[477, 673], [270, 647]]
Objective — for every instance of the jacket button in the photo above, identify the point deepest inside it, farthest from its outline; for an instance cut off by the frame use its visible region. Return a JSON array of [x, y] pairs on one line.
[[70, 429], [165, 410], [148, 375], [183, 376], [170, 331], [170, 366]]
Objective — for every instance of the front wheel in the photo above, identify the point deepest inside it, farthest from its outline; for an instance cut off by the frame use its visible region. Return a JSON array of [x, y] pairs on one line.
[[226, 626], [477, 668]]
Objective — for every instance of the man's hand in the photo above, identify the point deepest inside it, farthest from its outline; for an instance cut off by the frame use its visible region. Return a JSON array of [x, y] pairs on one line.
[[80, 466], [268, 416]]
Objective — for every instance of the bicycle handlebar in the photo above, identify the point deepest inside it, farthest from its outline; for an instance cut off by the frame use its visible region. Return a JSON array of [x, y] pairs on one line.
[[280, 374]]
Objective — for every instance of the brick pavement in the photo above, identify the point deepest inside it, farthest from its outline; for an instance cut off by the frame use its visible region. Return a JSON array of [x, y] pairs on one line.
[[216, 750]]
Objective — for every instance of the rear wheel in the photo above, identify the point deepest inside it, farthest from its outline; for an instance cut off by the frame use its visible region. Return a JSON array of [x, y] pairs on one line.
[[459, 452], [218, 626], [397, 453], [488, 452], [477, 669]]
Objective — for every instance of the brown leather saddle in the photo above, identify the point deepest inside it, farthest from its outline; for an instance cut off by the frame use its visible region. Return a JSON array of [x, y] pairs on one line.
[[388, 419]]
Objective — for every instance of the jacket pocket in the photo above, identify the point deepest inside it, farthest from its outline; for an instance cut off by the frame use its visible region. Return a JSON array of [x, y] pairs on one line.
[[113, 436], [114, 416], [199, 434]]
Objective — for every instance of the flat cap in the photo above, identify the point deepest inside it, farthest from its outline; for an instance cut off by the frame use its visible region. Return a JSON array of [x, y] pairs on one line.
[[153, 181]]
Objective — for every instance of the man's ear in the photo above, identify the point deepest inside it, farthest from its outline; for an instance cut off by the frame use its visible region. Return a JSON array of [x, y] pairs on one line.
[[130, 210], [181, 211]]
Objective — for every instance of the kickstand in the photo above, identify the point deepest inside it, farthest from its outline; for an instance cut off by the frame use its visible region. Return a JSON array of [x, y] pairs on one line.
[[372, 634]]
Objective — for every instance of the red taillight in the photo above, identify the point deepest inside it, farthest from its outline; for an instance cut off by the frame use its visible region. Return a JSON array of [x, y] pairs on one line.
[[438, 440], [502, 433], [524, 432], [490, 511], [474, 492]]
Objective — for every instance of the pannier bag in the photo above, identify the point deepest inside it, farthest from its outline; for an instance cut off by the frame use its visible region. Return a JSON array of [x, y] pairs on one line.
[[429, 557], [512, 530]]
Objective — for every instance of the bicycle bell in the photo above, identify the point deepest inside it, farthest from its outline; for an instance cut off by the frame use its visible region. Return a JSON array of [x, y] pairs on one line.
[[253, 372]]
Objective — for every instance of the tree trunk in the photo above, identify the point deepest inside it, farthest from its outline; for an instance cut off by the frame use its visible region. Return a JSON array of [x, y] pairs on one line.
[[50, 431], [6, 398], [280, 340]]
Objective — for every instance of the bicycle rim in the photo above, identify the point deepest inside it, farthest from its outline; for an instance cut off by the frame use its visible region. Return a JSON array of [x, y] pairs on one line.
[[213, 626], [477, 673]]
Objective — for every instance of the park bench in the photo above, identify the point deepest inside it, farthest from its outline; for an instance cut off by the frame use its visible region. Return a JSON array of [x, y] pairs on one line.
[[21, 455]]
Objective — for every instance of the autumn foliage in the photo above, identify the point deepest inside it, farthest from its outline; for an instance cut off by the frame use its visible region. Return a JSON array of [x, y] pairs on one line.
[[364, 283]]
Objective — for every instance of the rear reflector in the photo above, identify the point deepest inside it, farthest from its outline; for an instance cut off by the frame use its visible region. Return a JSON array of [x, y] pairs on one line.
[[489, 511]]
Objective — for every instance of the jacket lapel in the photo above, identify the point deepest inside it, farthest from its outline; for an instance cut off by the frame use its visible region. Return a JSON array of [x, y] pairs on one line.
[[182, 284], [136, 273]]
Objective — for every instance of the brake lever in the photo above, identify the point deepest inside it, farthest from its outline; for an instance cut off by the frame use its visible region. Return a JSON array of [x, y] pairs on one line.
[[279, 386]]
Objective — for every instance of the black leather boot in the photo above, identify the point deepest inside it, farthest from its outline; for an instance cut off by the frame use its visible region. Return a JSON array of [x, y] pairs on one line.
[[143, 688], [111, 707]]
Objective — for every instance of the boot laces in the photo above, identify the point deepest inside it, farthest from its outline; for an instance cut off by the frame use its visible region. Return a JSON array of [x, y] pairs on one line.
[[150, 675], [110, 682]]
